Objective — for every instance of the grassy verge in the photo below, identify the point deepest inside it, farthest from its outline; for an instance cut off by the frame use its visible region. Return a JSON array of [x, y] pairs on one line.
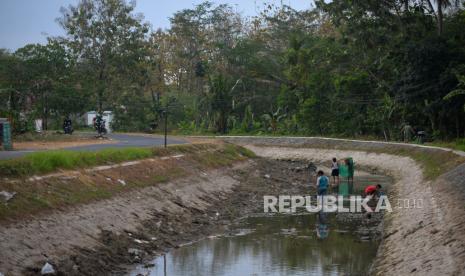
[[458, 144], [50, 161], [50, 136], [33, 197], [434, 162]]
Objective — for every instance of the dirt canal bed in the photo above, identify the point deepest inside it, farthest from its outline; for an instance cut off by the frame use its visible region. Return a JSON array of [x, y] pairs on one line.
[[252, 242]]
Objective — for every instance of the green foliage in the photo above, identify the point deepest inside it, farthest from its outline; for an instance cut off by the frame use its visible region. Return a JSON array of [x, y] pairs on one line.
[[39, 74], [459, 89], [272, 119], [247, 122], [344, 68], [220, 101]]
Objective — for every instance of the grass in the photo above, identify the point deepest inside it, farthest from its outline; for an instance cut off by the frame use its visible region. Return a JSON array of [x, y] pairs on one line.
[[49, 136], [224, 156], [49, 161], [433, 162], [458, 144], [34, 197]]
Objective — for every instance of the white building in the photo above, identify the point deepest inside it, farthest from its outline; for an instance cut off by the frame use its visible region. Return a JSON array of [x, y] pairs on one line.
[[107, 116]]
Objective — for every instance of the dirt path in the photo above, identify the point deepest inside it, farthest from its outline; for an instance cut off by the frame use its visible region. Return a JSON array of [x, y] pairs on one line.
[[417, 240]]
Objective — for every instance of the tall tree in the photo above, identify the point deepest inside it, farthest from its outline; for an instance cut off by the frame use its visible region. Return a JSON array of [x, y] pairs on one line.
[[108, 41]]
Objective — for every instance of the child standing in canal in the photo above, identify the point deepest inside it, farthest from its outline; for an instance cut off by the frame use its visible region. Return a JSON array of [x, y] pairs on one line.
[[322, 183], [335, 172]]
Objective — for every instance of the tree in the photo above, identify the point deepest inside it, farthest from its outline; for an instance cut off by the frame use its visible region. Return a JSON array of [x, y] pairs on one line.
[[345, 68], [13, 92], [272, 119], [459, 89], [220, 101], [109, 41], [50, 80]]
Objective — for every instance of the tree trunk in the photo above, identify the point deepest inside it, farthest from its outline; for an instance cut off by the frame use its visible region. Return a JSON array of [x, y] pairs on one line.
[[161, 78], [11, 111], [101, 89], [457, 125], [100, 100], [45, 112], [440, 16], [432, 122]]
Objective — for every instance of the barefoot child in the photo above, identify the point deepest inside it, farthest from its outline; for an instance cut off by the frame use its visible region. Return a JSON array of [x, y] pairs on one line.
[[335, 172], [322, 183]]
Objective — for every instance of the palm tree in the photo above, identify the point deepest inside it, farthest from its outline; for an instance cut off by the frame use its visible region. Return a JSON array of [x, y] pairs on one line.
[[459, 89], [273, 118]]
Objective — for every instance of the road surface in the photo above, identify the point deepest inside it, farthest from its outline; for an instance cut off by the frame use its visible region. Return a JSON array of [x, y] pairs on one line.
[[122, 141]]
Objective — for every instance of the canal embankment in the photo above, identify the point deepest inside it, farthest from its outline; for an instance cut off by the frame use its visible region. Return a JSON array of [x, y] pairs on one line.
[[423, 240]]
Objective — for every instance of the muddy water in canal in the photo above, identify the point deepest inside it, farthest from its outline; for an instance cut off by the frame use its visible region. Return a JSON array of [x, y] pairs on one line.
[[278, 244]]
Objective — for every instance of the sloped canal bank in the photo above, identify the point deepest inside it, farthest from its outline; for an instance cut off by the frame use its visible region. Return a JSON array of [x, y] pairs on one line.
[[255, 243]]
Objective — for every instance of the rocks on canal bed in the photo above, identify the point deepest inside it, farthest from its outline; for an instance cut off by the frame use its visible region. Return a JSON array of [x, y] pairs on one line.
[[136, 254], [297, 169], [140, 241], [135, 251], [6, 196]]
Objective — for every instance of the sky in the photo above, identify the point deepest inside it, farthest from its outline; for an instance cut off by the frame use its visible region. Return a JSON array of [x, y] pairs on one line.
[[31, 21]]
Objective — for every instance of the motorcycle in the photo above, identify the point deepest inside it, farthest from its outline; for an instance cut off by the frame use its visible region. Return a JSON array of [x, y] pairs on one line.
[[99, 125], [68, 126]]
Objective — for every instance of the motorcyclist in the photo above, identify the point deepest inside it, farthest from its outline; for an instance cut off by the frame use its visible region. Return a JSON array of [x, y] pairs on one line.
[[99, 125], [68, 126]]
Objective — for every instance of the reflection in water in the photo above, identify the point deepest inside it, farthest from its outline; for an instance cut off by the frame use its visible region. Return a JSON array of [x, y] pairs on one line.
[[322, 229], [278, 245]]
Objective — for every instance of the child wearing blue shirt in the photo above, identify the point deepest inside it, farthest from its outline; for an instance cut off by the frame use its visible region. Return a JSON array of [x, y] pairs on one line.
[[322, 183]]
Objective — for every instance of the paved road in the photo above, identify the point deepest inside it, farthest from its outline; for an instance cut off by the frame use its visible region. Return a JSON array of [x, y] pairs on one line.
[[123, 140]]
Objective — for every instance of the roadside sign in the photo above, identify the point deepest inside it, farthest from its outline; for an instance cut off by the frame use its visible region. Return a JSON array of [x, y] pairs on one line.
[[6, 134]]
